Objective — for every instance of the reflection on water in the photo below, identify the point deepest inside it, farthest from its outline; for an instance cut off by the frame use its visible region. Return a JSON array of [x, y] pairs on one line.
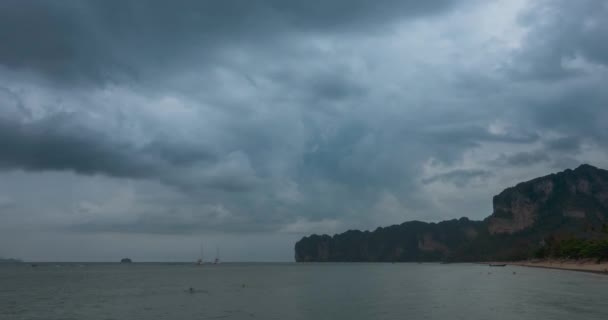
[[298, 291]]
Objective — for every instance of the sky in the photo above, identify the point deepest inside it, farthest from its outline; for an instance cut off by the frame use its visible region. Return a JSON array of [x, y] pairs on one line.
[[146, 129]]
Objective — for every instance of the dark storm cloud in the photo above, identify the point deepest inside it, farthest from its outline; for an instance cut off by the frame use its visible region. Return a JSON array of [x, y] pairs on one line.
[[57, 143], [63, 142], [117, 40]]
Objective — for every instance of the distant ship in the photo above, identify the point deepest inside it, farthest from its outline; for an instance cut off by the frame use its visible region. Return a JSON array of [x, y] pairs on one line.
[[125, 260]]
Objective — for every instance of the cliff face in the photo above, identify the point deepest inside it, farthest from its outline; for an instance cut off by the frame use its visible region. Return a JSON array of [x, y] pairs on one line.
[[572, 201], [515, 210], [580, 194]]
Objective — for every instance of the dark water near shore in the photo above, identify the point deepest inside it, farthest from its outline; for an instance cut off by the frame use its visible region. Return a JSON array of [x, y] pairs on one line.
[[299, 291]]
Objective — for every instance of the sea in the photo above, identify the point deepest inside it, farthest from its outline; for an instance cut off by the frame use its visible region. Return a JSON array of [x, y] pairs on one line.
[[150, 291]]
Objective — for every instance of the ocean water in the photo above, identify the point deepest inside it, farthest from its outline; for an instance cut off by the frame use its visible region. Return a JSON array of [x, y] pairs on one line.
[[299, 291]]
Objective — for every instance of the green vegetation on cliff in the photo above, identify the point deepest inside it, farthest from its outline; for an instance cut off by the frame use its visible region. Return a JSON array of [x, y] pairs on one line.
[[574, 248]]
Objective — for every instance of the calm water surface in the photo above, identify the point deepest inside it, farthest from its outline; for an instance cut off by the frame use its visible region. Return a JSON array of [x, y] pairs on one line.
[[299, 291]]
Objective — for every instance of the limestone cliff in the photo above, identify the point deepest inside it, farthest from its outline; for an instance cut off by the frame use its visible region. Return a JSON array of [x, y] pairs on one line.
[[573, 202], [573, 194]]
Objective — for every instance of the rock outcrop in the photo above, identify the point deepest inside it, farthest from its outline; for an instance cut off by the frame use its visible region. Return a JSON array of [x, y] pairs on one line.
[[579, 194], [573, 202]]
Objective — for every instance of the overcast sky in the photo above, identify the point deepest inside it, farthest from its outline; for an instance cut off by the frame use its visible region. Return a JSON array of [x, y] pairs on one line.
[[145, 128]]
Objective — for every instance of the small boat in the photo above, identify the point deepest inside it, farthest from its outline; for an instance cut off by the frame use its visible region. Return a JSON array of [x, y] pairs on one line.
[[497, 264]]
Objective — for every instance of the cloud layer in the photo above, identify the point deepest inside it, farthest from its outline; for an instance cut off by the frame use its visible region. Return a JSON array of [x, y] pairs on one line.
[[280, 118]]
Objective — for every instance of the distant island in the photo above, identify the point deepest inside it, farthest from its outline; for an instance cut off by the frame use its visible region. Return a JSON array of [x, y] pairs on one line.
[[10, 260], [125, 260], [559, 216]]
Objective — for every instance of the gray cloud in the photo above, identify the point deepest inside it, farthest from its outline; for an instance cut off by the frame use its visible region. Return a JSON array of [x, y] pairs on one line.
[[565, 144], [278, 117], [459, 177], [522, 158], [562, 62], [560, 32]]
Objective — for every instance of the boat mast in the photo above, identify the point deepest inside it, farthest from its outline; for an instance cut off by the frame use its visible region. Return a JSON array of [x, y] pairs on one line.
[[201, 257]]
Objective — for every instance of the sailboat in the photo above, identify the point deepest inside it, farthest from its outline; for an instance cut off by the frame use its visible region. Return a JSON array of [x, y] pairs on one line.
[[200, 262], [217, 256]]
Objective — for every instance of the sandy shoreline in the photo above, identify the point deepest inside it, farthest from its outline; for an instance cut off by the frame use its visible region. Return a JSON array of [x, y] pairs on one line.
[[572, 265]]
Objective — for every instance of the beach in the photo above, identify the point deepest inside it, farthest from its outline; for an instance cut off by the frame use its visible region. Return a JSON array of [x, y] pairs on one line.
[[573, 265]]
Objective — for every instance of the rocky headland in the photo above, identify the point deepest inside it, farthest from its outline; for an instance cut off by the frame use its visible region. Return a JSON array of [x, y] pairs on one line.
[[558, 216]]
